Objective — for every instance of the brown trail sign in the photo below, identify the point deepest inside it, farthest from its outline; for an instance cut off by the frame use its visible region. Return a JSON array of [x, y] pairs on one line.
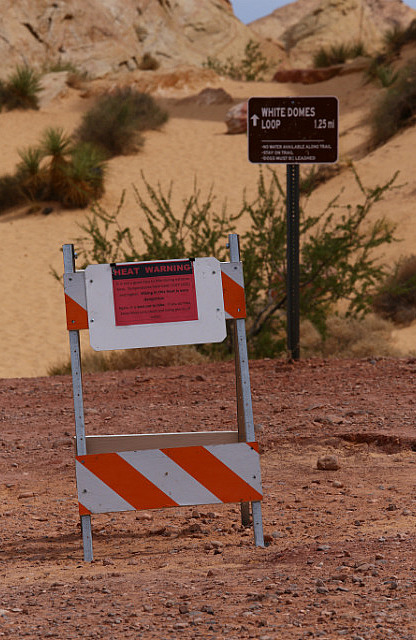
[[293, 131]]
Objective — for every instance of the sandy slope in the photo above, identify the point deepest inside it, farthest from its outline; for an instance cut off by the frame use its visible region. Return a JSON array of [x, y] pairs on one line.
[[191, 145]]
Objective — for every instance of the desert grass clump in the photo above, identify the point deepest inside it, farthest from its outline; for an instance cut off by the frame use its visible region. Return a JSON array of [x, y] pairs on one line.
[[83, 177], [348, 337], [251, 67], [96, 362], [381, 71], [367, 337], [116, 121], [396, 108], [21, 89], [397, 37], [396, 298], [58, 169], [337, 54], [11, 192], [148, 63]]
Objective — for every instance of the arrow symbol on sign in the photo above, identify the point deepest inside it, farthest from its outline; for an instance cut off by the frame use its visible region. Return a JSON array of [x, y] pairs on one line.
[[255, 120]]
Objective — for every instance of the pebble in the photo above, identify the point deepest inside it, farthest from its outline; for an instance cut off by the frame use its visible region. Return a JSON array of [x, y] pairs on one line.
[[206, 608], [181, 625], [328, 462], [25, 494]]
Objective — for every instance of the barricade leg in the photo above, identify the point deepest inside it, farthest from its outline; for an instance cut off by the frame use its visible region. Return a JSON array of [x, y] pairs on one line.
[[244, 404], [81, 447]]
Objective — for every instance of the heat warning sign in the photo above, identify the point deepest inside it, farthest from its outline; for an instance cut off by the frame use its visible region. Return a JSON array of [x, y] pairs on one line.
[[154, 292]]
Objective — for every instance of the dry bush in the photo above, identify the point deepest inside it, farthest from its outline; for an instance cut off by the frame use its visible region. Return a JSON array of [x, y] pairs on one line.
[[397, 107], [359, 338], [116, 121], [349, 338], [98, 361], [396, 299]]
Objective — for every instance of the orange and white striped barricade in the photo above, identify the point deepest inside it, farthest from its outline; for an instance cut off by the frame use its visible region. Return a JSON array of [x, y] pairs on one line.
[[159, 303]]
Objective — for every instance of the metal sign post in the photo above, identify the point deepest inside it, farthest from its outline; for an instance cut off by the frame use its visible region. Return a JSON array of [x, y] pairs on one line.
[[292, 253], [293, 131]]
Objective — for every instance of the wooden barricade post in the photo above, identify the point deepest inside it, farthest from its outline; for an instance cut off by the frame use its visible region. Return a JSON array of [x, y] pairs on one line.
[[152, 471]]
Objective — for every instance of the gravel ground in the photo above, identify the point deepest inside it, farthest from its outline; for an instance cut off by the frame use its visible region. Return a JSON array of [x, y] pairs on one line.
[[340, 555]]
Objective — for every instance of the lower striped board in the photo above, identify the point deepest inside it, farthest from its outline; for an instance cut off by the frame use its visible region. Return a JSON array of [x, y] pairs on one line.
[[171, 477]]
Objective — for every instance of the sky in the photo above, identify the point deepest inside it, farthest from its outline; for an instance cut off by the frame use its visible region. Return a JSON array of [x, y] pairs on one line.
[[248, 10]]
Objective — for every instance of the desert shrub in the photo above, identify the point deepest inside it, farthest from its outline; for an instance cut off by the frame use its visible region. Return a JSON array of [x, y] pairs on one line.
[[348, 337], [148, 63], [366, 337], [396, 298], [337, 262], [30, 175], [55, 146], [315, 175], [94, 362], [116, 121], [76, 77], [381, 71], [83, 176], [396, 108], [21, 89], [11, 193], [397, 37], [337, 54], [252, 66], [57, 169]]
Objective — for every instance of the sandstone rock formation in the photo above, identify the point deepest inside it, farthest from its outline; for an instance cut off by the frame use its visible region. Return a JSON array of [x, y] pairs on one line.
[[313, 76], [106, 36], [306, 25]]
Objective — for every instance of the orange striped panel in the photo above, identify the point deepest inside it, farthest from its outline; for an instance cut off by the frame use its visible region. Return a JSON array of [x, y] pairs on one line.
[[129, 483], [83, 511], [76, 316], [234, 298], [213, 474]]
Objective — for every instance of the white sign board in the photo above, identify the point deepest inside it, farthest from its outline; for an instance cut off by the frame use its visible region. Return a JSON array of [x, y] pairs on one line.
[[154, 304]]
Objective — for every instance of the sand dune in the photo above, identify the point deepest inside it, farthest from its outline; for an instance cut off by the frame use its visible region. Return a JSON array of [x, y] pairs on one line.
[[192, 145]]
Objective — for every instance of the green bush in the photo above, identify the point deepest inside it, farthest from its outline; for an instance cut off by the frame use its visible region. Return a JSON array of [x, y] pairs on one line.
[[116, 121], [11, 192], [397, 37], [337, 54], [396, 108], [21, 89], [250, 68], [57, 169], [337, 262], [381, 71], [396, 298]]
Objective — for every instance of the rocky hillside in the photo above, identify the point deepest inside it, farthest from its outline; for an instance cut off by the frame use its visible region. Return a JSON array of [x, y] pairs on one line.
[[106, 36], [304, 26]]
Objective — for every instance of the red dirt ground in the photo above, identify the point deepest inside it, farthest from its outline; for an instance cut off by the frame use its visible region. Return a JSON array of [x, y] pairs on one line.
[[340, 560]]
